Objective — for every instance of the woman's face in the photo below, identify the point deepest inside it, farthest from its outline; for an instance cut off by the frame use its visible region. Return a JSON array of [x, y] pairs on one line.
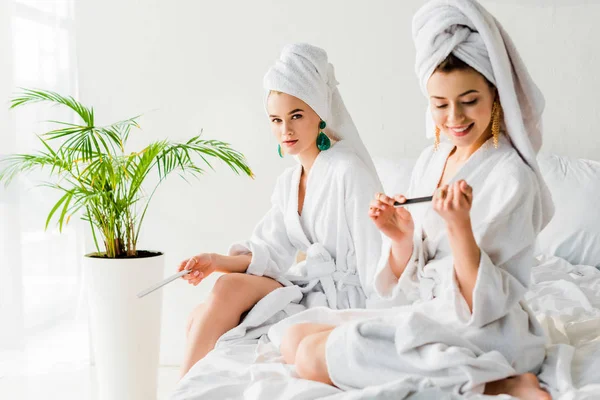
[[294, 123], [461, 105]]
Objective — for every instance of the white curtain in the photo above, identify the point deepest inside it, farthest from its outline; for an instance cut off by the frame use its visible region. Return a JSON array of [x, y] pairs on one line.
[[42, 326]]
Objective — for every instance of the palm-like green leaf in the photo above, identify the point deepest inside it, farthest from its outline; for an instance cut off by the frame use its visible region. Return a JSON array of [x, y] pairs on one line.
[[13, 165], [96, 176], [29, 96]]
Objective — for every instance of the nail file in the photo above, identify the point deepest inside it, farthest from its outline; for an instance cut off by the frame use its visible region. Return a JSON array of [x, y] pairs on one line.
[[413, 201], [163, 283]]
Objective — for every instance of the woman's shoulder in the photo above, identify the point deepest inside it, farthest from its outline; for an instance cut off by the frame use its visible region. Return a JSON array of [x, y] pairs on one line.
[[345, 162], [285, 178], [427, 154], [509, 182], [283, 185], [425, 159], [511, 169]]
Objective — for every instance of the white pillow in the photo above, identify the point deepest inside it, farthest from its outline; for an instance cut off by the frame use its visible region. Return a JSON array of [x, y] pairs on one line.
[[394, 174], [574, 232]]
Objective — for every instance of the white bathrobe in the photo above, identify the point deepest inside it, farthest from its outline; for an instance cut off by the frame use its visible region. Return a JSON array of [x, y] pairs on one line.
[[340, 241], [429, 337]]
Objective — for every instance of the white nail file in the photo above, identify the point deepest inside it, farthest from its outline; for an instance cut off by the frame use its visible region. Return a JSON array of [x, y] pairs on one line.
[[163, 283]]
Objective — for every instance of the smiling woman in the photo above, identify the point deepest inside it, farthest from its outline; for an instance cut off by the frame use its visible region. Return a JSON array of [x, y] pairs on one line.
[[457, 270], [464, 104]]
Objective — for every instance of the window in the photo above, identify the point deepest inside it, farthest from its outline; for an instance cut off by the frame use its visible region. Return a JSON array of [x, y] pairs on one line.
[[43, 56]]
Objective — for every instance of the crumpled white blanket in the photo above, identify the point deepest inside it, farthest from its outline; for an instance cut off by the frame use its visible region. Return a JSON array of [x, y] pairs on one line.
[[565, 298]]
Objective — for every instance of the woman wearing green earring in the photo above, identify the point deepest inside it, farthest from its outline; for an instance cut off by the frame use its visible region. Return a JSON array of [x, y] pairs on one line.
[[323, 141], [319, 208]]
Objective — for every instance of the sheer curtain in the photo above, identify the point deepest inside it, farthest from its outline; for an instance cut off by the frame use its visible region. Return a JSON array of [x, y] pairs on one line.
[[42, 325]]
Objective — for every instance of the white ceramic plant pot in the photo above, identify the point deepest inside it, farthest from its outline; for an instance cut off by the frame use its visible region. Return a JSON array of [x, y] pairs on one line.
[[125, 330]]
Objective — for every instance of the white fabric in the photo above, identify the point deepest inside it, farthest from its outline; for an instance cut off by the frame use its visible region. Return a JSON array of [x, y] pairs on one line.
[[574, 232], [394, 175], [430, 337], [340, 242], [304, 71], [465, 29], [564, 297]]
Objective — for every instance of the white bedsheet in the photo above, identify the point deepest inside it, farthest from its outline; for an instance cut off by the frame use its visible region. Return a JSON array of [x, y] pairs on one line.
[[565, 298]]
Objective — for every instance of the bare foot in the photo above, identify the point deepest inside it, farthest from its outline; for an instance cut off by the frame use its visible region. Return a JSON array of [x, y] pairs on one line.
[[523, 387]]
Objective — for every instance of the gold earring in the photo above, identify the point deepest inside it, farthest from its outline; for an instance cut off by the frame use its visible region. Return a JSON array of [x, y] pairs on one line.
[[436, 143], [496, 113]]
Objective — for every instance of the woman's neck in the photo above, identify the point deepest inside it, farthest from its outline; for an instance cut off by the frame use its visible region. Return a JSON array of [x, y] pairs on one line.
[[462, 154], [307, 159]]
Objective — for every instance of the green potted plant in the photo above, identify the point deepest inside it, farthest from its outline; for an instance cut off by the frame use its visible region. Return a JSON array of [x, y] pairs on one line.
[[105, 185]]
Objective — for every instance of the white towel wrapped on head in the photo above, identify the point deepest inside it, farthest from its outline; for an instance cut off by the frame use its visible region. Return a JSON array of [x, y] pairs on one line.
[[303, 71], [464, 28]]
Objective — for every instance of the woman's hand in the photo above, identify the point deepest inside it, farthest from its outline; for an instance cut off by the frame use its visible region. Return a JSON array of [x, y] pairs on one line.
[[395, 223], [453, 203], [200, 266]]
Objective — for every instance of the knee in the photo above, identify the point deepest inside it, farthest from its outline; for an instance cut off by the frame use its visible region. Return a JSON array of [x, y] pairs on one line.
[[227, 287], [310, 361], [229, 296], [291, 340]]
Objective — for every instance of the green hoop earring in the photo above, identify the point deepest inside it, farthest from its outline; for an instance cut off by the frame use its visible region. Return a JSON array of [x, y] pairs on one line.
[[323, 142], [279, 151]]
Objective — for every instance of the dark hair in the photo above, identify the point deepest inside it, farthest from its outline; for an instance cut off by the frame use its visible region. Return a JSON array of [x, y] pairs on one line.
[[453, 63]]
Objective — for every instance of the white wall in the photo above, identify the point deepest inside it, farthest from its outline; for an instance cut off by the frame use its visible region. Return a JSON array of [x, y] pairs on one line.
[[199, 64]]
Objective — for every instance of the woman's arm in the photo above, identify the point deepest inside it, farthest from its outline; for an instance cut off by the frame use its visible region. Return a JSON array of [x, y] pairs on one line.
[[453, 203], [397, 224], [267, 253], [491, 257], [400, 254], [205, 264], [230, 264], [466, 254]]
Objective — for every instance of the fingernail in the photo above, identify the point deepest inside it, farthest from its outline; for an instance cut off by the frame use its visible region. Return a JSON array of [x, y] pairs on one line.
[[196, 273]]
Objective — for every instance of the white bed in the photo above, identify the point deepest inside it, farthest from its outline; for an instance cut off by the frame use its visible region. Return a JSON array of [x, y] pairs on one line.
[[565, 296]]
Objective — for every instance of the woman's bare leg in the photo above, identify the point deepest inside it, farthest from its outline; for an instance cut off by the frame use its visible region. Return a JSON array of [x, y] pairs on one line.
[[523, 387], [295, 334], [232, 295], [311, 361]]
